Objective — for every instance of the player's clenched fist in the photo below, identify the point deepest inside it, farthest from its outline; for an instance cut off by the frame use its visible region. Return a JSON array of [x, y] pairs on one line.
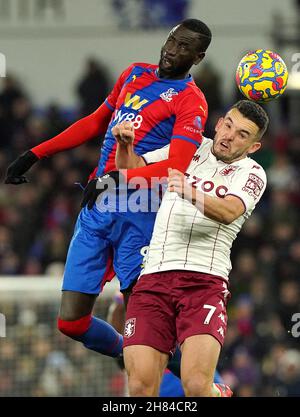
[[177, 183], [124, 133]]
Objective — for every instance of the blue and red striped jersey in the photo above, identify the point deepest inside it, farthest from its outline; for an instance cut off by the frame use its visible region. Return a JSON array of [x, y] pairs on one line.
[[161, 110]]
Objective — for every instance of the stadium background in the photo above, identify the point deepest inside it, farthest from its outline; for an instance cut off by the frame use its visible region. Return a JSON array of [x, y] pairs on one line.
[[59, 53]]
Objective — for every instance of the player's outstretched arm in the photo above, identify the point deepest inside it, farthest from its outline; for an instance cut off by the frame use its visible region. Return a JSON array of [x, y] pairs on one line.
[[125, 156], [191, 115], [78, 133], [186, 137], [180, 156]]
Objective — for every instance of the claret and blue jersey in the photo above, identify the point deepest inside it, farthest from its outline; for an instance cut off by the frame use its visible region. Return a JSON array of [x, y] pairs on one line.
[[160, 109]]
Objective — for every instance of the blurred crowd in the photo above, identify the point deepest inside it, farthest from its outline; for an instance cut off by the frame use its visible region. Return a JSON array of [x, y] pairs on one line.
[[36, 221], [38, 361], [149, 14], [261, 356]]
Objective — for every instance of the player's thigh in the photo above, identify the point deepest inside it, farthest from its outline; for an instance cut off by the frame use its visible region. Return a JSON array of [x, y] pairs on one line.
[[75, 305], [151, 316], [199, 359], [144, 366], [201, 326], [201, 301], [131, 242], [89, 256]]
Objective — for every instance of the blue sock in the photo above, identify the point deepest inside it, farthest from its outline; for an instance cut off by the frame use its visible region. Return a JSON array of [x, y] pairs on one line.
[[170, 386], [174, 366], [174, 363], [102, 338], [217, 378]]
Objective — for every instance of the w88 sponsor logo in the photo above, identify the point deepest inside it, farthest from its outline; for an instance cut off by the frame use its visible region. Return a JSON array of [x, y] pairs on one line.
[[128, 117]]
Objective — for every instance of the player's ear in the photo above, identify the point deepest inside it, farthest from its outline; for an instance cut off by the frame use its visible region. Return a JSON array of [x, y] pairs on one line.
[[254, 147], [219, 124], [199, 58]]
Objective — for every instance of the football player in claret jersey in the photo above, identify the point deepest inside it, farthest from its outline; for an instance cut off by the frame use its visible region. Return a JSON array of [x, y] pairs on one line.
[[165, 107], [182, 293]]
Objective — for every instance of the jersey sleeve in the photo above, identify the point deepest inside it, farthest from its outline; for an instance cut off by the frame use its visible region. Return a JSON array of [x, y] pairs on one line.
[[157, 155], [249, 185], [191, 116], [112, 98], [85, 128]]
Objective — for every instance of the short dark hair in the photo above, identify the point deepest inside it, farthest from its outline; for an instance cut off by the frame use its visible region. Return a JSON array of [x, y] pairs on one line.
[[201, 28], [254, 112]]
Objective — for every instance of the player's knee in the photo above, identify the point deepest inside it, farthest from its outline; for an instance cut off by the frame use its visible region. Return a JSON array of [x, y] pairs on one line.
[[139, 387], [197, 386], [140, 383], [74, 328]]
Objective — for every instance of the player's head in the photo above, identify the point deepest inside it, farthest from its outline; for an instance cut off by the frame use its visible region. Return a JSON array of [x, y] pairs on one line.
[[238, 133], [185, 46]]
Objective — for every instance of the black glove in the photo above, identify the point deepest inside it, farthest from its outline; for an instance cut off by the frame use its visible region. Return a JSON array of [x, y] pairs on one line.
[[96, 186], [15, 171]]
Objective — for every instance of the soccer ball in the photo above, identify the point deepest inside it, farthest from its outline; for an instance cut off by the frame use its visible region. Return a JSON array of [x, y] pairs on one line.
[[261, 75]]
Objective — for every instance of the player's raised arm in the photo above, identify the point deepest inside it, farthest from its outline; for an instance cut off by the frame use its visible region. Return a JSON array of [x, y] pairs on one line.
[[191, 116], [180, 155], [78, 133], [125, 155], [126, 158]]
